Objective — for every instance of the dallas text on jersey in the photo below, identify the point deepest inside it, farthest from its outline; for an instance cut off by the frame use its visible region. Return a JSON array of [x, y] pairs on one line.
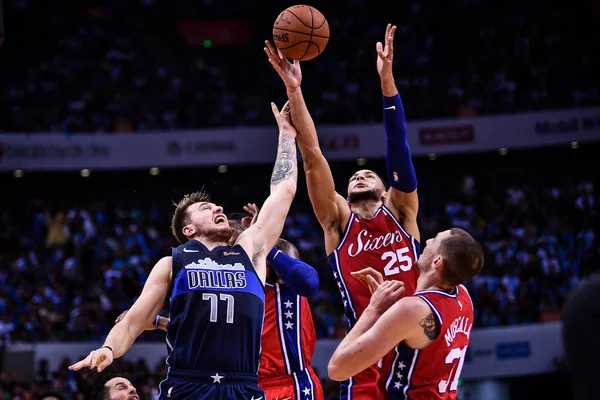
[[208, 274]]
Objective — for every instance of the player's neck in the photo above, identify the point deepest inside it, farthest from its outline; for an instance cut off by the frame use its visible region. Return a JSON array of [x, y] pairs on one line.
[[366, 208], [211, 243], [424, 283]]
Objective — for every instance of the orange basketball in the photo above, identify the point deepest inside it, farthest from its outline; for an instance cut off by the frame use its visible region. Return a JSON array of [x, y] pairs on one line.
[[301, 32]]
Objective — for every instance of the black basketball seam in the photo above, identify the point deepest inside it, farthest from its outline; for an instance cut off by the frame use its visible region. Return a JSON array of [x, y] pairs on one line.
[[312, 21], [301, 33], [298, 18], [322, 23]]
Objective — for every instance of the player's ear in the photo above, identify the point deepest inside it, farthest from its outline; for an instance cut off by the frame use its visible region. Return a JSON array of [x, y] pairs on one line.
[[438, 261], [189, 230]]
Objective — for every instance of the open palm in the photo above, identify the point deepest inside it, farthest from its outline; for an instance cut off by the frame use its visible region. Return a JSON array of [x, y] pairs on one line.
[[290, 72], [385, 53]]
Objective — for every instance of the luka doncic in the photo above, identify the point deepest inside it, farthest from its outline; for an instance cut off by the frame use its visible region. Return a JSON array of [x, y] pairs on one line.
[[216, 292]]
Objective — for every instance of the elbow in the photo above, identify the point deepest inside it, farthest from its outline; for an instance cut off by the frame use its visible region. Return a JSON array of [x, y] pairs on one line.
[[313, 287], [335, 372]]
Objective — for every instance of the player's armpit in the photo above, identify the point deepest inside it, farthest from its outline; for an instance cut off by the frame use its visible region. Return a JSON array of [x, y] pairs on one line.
[[399, 323], [144, 310], [405, 206]]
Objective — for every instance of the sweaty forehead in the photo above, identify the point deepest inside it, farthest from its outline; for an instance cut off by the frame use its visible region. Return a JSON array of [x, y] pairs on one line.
[[116, 381], [197, 206], [363, 172]]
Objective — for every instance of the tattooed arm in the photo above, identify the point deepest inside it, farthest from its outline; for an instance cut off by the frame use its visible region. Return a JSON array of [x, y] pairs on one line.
[[409, 320], [261, 237]]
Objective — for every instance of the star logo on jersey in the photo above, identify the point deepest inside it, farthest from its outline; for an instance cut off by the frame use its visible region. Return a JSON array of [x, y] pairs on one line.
[[401, 365], [289, 325], [397, 385], [289, 314], [217, 378], [306, 391], [288, 304]]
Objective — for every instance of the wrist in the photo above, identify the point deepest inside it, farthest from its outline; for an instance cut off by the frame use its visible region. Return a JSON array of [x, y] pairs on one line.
[[292, 89], [373, 310], [109, 348]]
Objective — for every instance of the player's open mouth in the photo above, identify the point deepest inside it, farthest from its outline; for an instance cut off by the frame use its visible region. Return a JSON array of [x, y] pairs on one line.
[[134, 397], [220, 219], [360, 185]]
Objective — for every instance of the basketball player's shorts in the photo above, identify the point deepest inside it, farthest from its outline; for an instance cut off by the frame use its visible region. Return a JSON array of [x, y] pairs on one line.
[[303, 385], [192, 385], [362, 386]]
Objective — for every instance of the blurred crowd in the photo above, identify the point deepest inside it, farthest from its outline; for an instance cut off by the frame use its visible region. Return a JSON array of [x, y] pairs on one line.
[[71, 263], [77, 268], [120, 66]]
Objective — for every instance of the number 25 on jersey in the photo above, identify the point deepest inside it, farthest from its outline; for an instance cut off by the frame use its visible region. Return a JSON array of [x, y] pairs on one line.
[[396, 261]]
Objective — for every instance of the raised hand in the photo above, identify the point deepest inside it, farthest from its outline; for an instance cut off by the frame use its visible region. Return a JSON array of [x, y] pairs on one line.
[[363, 274], [385, 53], [290, 72], [283, 118], [386, 294], [99, 359], [253, 210]]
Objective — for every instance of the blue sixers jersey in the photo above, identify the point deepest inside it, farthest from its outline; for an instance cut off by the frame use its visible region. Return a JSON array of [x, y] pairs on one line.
[[216, 310]]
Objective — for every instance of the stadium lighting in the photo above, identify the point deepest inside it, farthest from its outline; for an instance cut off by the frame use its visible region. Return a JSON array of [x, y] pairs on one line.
[[222, 169], [432, 156], [503, 151], [154, 171], [85, 173], [361, 161], [574, 145], [18, 173]]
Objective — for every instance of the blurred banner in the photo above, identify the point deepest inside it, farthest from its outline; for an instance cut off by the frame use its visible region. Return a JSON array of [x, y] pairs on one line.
[[493, 352], [220, 33], [54, 151]]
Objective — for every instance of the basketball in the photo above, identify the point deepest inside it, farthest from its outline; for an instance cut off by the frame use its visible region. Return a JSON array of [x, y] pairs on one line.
[[301, 32]]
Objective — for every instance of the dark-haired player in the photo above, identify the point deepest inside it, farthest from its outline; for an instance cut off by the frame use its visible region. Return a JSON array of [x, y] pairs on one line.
[[114, 387], [371, 227], [216, 292], [288, 338], [429, 331]]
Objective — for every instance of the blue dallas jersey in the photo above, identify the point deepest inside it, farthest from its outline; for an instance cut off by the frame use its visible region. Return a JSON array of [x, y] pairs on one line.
[[216, 310]]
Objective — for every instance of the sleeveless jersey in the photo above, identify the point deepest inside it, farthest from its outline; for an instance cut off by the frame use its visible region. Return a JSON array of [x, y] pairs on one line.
[[289, 337], [216, 311], [433, 372], [381, 243]]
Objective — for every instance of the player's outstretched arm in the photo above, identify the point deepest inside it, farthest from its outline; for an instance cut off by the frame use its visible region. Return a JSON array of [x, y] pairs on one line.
[[385, 323], [402, 198], [122, 336], [261, 237], [298, 275], [330, 208]]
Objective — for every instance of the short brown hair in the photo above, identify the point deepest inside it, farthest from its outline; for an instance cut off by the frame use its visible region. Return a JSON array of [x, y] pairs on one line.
[[181, 217], [463, 257]]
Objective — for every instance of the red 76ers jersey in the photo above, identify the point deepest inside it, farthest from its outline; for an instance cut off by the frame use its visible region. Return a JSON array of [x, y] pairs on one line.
[[433, 372], [381, 243]]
